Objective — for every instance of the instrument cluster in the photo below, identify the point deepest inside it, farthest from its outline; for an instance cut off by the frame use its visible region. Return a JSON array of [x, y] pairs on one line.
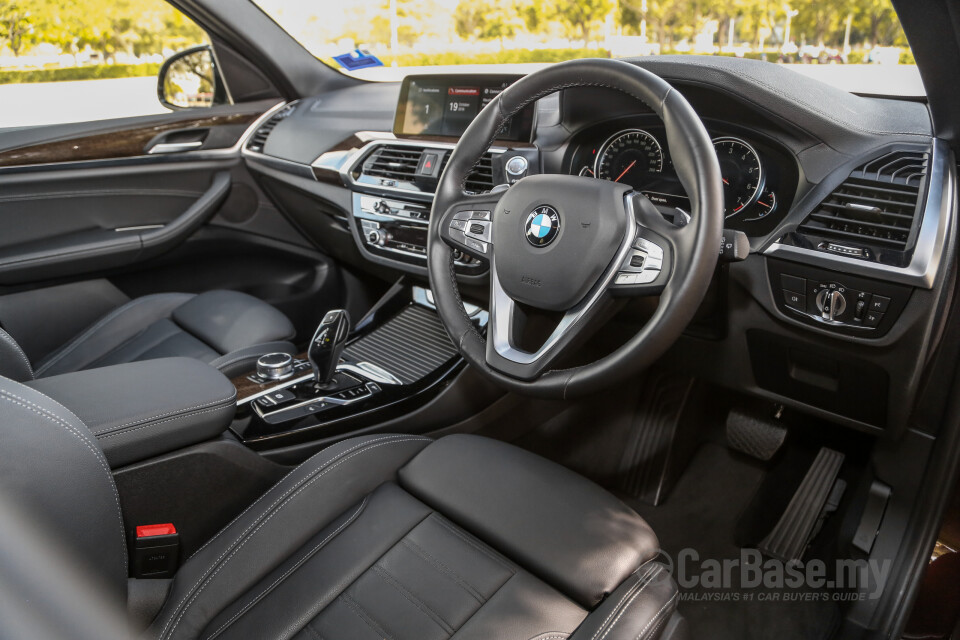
[[758, 179]]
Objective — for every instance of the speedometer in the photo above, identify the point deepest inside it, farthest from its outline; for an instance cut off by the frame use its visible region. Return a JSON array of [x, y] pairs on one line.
[[741, 171], [628, 157]]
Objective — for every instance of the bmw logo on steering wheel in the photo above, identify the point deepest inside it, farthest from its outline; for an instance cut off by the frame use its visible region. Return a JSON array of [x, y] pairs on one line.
[[542, 226]]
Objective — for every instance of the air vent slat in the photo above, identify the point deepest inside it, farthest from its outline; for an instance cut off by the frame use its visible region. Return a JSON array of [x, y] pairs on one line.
[[399, 163], [258, 141], [393, 162], [876, 206]]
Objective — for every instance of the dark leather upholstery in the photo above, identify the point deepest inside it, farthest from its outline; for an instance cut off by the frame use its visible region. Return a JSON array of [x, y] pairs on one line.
[[14, 363], [139, 410], [53, 469], [370, 539], [227, 329]]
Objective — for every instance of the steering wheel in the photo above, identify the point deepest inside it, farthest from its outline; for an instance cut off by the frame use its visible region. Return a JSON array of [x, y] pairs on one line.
[[568, 244]]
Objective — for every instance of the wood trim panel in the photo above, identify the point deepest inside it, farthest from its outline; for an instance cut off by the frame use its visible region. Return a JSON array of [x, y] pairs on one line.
[[124, 143]]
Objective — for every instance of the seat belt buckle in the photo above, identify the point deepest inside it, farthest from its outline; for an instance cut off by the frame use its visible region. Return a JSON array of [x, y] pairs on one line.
[[156, 551]]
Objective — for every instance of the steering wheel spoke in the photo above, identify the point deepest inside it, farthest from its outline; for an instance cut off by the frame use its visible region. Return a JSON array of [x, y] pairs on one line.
[[468, 225], [647, 269]]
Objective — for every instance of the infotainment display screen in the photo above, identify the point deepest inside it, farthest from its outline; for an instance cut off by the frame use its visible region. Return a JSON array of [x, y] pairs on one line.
[[441, 105]]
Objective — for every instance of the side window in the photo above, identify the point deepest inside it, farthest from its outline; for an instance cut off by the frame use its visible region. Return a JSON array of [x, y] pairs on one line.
[[64, 61]]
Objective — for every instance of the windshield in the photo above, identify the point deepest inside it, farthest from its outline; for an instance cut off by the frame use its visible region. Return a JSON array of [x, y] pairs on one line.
[[857, 45]]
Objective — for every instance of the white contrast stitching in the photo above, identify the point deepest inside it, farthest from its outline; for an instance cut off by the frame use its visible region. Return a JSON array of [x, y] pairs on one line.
[[649, 580], [111, 434], [168, 413], [296, 566], [302, 480], [97, 453], [665, 605], [244, 538], [16, 346], [622, 600]]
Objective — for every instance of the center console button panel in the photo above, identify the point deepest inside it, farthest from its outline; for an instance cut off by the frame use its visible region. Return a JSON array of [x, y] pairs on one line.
[[397, 230], [838, 302]]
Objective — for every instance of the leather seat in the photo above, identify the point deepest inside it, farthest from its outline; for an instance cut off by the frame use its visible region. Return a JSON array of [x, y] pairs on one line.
[[226, 329], [388, 536]]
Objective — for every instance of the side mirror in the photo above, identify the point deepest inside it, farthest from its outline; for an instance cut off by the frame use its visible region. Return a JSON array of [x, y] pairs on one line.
[[190, 79]]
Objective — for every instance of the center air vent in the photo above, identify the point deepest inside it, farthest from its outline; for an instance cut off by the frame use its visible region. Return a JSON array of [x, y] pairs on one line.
[[395, 166], [259, 138], [877, 207], [393, 162]]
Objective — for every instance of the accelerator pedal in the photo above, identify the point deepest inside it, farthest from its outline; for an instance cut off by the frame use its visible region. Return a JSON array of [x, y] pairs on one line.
[[817, 496]]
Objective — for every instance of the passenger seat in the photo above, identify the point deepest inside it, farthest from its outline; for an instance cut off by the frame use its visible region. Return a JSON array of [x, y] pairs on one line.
[[226, 329]]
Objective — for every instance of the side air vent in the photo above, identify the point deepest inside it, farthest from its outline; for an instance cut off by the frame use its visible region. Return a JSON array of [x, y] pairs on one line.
[[875, 210], [259, 138]]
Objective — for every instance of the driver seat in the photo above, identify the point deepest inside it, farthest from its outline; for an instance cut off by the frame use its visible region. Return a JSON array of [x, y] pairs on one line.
[[386, 536]]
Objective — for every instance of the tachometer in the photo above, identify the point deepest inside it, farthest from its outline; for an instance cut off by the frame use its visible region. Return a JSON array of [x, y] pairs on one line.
[[741, 171], [628, 157]]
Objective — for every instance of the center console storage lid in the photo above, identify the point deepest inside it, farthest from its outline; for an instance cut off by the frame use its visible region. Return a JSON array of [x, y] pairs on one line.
[[139, 410]]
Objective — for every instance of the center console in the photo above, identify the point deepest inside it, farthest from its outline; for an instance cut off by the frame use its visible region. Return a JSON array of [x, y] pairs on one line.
[[399, 356]]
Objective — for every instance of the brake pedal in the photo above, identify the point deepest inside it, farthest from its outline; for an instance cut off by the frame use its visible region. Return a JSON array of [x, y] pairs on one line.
[[755, 433], [817, 496]]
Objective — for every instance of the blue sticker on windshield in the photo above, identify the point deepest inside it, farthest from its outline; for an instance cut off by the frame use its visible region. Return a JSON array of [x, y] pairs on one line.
[[357, 59]]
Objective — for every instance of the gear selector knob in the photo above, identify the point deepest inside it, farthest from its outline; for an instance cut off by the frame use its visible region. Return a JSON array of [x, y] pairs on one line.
[[327, 345]]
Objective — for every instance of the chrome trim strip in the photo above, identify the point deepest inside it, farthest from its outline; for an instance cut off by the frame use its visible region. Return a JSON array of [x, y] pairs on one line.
[[936, 230], [318, 400], [368, 370]]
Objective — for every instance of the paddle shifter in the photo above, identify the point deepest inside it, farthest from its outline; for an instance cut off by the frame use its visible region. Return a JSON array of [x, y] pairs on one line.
[[327, 345]]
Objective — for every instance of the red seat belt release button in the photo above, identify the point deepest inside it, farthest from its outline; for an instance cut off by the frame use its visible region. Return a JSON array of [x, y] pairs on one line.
[[156, 551]]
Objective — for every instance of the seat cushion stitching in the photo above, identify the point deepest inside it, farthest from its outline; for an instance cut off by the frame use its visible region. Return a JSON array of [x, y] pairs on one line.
[[629, 592], [487, 552], [656, 615], [16, 347], [394, 582], [244, 538], [444, 569], [364, 615], [40, 411], [290, 571], [301, 481], [68, 349], [626, 607], [305, 619], [177, 413]]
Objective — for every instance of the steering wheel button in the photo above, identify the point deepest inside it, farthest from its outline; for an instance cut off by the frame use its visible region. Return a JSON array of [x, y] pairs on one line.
[[460, 225], [457, 236], [480, 215], [626, 278], [462, 215], [654, 251], [476, 245], [646, 277], [637, 260]]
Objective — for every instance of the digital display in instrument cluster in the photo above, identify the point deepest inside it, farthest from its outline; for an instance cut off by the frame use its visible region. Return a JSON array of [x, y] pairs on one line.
[[446, 105]]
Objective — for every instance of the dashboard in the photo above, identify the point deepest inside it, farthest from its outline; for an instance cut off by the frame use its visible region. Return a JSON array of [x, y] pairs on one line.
[[848, 205]]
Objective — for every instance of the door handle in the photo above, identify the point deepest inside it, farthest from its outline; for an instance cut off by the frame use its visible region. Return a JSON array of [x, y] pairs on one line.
[[175, 147]]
